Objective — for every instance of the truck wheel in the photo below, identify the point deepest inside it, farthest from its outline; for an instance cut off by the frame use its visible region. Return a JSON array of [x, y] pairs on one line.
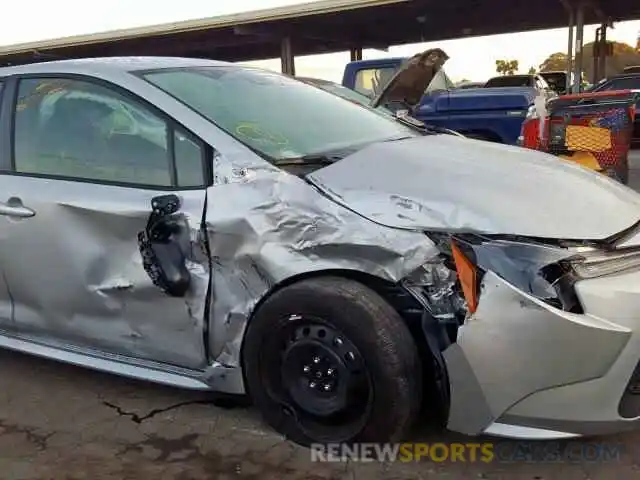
[[328, 360]]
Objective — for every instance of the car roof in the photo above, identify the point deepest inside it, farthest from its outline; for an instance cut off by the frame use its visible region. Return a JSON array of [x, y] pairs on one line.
[[111, 64], [316, 80], [516, 75], [625, 75]]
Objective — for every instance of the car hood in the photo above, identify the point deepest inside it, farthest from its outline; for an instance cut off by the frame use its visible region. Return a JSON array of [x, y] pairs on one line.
[[412, 79], [447, 183], [479, 99]]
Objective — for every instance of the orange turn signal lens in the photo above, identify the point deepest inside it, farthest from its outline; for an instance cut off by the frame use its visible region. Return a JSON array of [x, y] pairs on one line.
[[468, 277]]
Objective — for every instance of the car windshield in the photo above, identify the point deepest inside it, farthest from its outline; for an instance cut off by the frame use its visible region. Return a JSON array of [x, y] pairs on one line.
[[341, 91], [277, 116], [347, 94], [557, 81], [622, 83], [510, 81]]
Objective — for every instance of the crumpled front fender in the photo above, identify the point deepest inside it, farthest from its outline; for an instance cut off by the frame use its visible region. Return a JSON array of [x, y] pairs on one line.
[[267, 226]]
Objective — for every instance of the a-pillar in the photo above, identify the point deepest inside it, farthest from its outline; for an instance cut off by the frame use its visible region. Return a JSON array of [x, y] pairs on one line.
[[287, 60]]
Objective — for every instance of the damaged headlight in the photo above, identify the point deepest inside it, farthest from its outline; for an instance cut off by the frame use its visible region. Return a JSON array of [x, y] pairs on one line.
[[435, 285], [449, 285], [593, 264], [537, 269]]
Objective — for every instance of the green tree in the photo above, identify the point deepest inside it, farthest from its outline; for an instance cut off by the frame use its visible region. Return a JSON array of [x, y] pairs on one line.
[[507, 67], [555, 61], [624, 55], [532, 70]]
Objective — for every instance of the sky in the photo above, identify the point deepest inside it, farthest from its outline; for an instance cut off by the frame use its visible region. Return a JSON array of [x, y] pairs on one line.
[[470, 58]]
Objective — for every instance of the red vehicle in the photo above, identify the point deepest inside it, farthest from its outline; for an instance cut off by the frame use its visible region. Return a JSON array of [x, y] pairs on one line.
[[629, 79], [593, 129]]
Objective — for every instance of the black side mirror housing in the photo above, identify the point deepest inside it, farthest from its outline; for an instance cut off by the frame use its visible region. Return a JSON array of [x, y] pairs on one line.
[[162, 246]]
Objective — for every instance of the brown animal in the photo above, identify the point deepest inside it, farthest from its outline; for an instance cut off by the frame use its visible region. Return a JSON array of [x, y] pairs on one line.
[[409, 83]]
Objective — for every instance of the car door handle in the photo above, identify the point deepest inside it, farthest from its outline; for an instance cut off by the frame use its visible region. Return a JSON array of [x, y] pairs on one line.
[[19, 211]]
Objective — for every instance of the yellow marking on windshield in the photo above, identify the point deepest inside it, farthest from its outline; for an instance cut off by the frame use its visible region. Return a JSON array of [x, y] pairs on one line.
[[255, 132]]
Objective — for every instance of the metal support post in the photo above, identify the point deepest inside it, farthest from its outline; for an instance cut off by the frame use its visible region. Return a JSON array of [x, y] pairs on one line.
[[597, 46], [602, 60], [572, 22], [287, 60], [577, 68]]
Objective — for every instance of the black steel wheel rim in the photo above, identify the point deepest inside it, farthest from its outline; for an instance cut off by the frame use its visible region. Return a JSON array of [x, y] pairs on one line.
[[318, 376]]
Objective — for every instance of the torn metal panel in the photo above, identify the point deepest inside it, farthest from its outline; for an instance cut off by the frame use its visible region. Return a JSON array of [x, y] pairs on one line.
[[76, 275], [593, 407], [266, 227], [529, 343], [446, 183]]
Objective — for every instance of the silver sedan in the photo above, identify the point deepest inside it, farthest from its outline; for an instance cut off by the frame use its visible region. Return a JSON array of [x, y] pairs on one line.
[[217, 227]]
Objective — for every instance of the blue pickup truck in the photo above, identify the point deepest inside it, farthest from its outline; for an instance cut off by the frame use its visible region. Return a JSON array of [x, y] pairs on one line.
[[420, 86]]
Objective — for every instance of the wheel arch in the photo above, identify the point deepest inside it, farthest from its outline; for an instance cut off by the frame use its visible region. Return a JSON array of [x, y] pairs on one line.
[[377, 284], [409, 309], [480, 134]]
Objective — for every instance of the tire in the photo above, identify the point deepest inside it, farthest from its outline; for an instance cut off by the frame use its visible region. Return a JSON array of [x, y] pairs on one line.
[[387, 391]]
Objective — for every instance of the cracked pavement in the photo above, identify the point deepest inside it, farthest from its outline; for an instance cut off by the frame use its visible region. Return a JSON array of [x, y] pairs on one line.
[[62, 422]]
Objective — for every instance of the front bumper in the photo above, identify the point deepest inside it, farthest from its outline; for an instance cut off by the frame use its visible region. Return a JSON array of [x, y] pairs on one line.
[[523, 369]]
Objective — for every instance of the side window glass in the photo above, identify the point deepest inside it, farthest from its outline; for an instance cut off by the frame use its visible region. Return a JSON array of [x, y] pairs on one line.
[[189, 155], [79, 129], [370, 82], [631, 83], [364, 82]]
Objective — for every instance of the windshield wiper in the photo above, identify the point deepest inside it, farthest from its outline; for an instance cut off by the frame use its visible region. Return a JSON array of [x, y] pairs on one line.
[[330, 157], [397, 139], [311, 159], [425, 128]]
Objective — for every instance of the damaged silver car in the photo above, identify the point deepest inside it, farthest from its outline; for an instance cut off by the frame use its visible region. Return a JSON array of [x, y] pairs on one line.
[[217, 227]]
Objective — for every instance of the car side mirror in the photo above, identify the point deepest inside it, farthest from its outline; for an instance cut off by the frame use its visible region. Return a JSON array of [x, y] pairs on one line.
[[163, 245]]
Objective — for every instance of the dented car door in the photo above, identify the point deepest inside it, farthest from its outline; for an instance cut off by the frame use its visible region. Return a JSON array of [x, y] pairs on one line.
[[5, 295], [99, 221]]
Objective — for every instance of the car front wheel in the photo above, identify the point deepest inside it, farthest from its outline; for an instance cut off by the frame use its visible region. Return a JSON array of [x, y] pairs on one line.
[[328, 360]]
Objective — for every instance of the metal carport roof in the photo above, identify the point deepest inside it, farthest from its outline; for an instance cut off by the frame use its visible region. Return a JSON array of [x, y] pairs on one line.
[[322, 27]]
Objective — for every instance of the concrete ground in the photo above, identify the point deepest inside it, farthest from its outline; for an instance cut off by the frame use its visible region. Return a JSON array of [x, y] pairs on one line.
[[63, 422]]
